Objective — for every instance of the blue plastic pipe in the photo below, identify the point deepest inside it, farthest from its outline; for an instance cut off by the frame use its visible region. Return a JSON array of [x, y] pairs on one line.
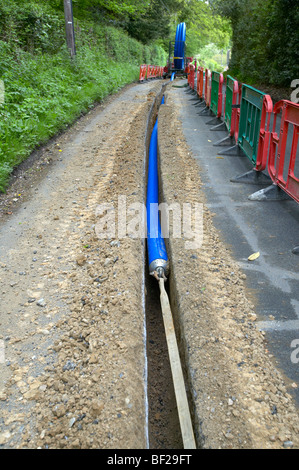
[[182, 43], [176, 46], [157, 254], [180, 39]]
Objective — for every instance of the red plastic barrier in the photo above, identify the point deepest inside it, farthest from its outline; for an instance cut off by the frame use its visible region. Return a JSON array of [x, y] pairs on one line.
[[220, 96], [150, 71], [238, 113], [264, 137], [192, 76], [208, 88], [235, 112], [277, 164], [200, 74], [142, 74]]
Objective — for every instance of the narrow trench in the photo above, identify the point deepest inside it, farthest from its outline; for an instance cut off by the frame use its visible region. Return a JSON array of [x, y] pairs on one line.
[[163, 421]]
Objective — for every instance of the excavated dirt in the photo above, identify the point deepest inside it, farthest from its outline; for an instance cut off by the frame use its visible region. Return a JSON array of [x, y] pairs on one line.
[[72, 304], [72, 318]]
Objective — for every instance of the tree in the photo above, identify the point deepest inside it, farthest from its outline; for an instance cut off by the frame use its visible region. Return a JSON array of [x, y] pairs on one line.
[[155, 22], [265, 39], [282, 48], [104, 9], [204, 26]]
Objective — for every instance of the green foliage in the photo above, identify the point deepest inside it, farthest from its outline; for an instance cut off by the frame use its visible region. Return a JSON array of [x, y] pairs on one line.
[[31, 26], [212, 58], [265, 39], [204, 27], [45, 90], [113, 9], [160, 20], [98, 10], [283, 43], [154, 23]]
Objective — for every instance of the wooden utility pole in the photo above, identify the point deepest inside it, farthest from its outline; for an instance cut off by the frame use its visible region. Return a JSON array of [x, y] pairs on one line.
[[69, 27]]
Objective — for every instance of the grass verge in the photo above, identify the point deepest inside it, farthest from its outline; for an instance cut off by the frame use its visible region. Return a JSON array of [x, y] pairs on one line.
[[44, 91]]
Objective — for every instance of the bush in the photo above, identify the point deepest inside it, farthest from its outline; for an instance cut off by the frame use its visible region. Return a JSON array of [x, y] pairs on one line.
[[31, 26], [265, 40], [44, 89]]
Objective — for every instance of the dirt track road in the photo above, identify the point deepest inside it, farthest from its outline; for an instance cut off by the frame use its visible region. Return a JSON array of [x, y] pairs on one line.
[[72, 305]]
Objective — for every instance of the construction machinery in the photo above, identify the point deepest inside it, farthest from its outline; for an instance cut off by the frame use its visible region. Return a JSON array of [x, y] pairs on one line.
[[177, 61]]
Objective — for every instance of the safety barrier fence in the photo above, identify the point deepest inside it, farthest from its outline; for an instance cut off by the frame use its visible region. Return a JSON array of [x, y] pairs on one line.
[[281, 164], [207, 88], [246, 114], [191, 76], [200, 82], [150, 71], [253, 137], [232, 106], [142, 73], [216, 93]]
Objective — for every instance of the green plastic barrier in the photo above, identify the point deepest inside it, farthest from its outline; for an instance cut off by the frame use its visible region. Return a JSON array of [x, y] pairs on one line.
[[250, 121], [216, 93], [232, 90]]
